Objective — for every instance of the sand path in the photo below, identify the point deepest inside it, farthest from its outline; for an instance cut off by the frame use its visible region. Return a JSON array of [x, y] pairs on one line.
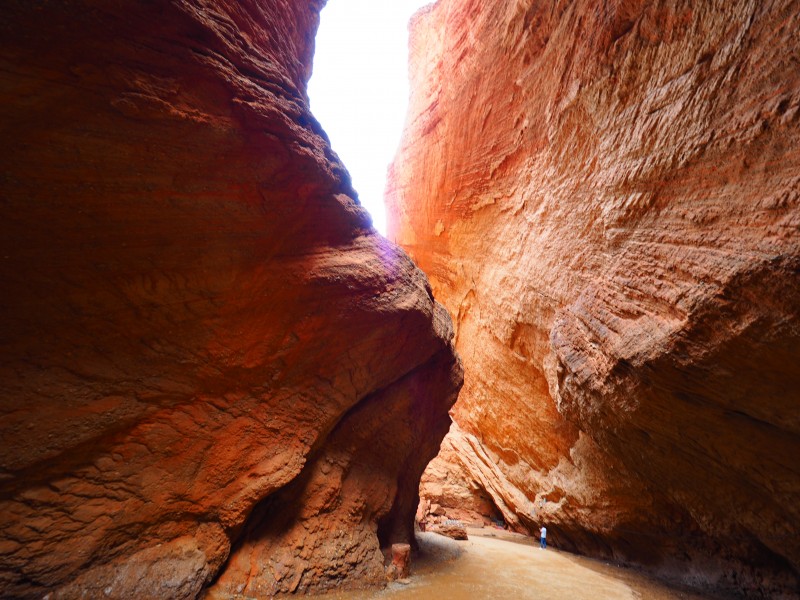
[[485, 568]]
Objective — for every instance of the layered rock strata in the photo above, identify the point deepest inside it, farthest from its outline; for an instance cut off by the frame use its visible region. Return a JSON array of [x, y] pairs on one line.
[[605, 196], [205, 345]]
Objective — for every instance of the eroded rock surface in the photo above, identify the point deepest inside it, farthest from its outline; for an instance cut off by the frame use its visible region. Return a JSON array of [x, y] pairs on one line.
[[199, 325], [605, 196]]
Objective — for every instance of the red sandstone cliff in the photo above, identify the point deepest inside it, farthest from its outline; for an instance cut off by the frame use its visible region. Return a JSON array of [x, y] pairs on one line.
[[605, 196], [204, 343]]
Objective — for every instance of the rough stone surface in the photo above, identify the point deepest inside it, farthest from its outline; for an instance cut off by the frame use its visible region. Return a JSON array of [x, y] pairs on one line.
[[204, 343], [334, 517], [605, 196], [401, 554], [470, 485], [451, 530]]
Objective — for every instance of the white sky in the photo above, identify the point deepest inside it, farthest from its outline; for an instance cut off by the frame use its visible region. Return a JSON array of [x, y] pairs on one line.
[[359, 89]]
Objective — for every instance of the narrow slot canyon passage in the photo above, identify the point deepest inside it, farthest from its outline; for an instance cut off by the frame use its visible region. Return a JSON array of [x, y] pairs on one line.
[[221, 377]]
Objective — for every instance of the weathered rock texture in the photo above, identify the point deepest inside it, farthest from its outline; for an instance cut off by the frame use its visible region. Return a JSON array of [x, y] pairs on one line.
[[401, 557], [452, 529], [605, 196], [204, 343]]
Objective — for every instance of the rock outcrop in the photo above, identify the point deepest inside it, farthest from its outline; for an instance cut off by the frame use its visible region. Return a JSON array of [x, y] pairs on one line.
[[206, 348], [451, 529], [605, 196]]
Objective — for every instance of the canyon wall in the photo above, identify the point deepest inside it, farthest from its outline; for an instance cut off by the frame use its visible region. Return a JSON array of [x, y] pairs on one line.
[[605, 196], [208, 354]]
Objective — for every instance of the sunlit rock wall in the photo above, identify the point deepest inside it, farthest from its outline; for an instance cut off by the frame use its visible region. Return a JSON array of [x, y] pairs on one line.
[[605, 197], [197, 321]]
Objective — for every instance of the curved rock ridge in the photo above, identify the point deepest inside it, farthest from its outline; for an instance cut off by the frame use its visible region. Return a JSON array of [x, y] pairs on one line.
[[205, 345], [605, 196]]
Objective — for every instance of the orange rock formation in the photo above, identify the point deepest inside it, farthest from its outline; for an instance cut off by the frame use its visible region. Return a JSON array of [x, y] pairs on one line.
[[205, 345], [605, 196]]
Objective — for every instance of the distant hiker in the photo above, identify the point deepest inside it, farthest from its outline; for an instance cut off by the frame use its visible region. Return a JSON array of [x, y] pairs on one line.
[[543, 538]]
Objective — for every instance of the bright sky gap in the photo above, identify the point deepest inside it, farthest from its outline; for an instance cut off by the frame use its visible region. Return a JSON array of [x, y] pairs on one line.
[[359, 89]]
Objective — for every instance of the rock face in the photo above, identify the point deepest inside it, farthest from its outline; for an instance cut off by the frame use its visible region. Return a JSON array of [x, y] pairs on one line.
[[605, 196], [206, 349]]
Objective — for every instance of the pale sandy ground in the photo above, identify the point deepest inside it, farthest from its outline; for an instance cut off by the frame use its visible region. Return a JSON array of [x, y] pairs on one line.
[[484, 568]]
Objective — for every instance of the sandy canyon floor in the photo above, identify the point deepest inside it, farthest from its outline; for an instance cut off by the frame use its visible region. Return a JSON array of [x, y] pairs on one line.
[[497, 565]]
